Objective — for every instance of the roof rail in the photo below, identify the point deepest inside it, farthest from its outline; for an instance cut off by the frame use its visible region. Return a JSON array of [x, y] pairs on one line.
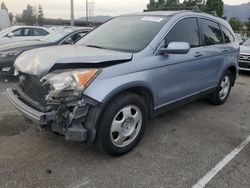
[[213, 13], [196, 9], [178, 8]]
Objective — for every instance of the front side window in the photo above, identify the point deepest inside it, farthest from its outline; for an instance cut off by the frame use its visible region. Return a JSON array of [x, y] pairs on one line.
[[211, 32], [18, 32], [228, 37], [185, 30], [125, 33]]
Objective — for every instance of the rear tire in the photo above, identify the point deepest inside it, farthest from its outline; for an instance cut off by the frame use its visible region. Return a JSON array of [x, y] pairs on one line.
[[220, 95], [122, 124]]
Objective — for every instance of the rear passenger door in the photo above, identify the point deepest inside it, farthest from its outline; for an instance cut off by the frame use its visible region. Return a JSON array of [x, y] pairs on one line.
[[213, 50], [229, 47]]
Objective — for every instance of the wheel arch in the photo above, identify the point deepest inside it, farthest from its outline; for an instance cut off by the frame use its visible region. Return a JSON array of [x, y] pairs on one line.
[[233, 70], [143, 91]]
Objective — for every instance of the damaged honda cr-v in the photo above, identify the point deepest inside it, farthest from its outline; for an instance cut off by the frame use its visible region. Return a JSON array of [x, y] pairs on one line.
[[103, 89]]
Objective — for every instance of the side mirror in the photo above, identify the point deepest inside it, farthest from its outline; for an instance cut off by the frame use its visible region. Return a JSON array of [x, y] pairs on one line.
[[10, 35], [176, 48], [68, 41]]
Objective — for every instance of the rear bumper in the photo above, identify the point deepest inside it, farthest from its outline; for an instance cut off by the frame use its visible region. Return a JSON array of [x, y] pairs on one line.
[[34, 115]]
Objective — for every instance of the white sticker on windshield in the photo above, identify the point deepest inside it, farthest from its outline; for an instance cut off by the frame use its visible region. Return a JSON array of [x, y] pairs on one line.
[[152, 19]]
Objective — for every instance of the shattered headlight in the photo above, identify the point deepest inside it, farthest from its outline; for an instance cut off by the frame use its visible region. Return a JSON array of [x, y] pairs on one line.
[[9, 53], [68, 84]]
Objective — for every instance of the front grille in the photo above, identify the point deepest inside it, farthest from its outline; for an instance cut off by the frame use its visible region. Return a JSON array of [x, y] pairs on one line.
[[244, 65], [244, 57], [33, 88]]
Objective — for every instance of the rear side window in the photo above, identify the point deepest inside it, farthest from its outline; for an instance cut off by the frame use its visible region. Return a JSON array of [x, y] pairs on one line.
[[228, 37], [211, 32], [29, 32], [40, 32], [185, 30]]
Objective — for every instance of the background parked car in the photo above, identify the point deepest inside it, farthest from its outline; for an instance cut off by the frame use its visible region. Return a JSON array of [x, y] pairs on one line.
[[244, 62], [21, 33], [9, 52]]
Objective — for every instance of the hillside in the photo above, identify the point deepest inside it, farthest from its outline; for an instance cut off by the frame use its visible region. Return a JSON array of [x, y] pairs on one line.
[[241, 11]]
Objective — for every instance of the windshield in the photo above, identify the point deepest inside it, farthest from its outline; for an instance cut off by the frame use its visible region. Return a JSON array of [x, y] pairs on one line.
[[54, 37], [247, 42], [127, 33]]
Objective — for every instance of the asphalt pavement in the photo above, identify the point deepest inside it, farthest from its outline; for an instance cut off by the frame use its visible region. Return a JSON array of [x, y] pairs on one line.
[[178, 149]]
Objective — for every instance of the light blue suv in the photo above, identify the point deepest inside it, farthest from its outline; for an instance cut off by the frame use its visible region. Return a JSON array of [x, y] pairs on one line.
[[103, 89]]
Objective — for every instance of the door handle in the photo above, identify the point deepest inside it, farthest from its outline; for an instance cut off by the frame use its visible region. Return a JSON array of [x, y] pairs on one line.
[[224, 50], [198, 54]]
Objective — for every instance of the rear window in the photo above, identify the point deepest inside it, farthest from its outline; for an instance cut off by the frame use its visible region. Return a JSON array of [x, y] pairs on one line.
[[212, 34]]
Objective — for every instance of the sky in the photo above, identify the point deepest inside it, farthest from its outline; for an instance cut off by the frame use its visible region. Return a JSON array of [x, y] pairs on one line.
[[61, 8]]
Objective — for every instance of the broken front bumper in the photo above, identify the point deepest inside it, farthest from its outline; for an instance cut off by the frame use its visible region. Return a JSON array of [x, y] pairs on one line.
[[34, 115], [82, 123]]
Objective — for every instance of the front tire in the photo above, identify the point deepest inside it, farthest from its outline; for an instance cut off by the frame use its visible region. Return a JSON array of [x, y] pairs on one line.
[[222, 92], [122, 124]]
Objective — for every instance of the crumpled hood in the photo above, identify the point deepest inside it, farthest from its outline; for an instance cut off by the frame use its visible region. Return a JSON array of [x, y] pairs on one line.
[[245, 49], [41, 61]]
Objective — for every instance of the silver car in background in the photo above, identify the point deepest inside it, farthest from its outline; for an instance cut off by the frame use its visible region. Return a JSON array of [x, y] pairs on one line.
[[244, 61]]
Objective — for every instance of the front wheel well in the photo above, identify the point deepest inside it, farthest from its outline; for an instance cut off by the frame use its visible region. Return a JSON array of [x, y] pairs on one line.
[[143, 92]]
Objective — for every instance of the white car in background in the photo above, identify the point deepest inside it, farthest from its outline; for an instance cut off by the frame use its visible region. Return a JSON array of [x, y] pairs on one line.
[[22, 33]]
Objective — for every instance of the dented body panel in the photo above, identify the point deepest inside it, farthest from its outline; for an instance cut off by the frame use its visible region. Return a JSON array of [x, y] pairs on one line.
[[39, 62]]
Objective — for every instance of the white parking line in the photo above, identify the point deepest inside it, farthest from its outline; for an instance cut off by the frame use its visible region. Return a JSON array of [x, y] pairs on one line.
[[212, 173], [83, 183]]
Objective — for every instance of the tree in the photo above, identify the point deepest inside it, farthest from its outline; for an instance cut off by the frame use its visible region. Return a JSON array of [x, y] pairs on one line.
[[28, 16], [247, 24], [172, 3], [3, 6], [235, 24], [163, 4], [40, 16], [152, 4], [11, 16], [215, 5]]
